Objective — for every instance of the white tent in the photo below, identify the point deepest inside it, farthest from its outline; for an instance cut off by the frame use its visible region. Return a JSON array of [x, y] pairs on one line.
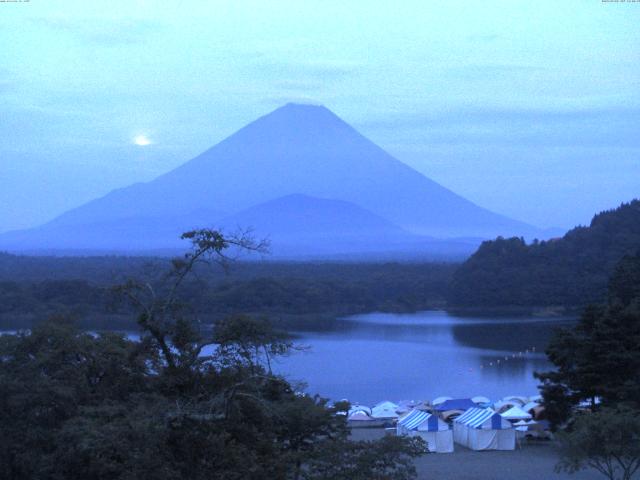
[[484, 429], [504, 405], [516, 398], [429, 427], [405, 406], [480, 400], [524, 423], [530, 406], [439, 400], [359, 408], [516, 413], [359, 416], [385, 410]]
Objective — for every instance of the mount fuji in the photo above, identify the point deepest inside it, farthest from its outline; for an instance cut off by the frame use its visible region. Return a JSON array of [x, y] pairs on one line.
[[300, 174]]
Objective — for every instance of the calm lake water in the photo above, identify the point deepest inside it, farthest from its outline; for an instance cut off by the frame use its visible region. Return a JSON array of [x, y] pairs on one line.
[[384, 356], [421, 356]]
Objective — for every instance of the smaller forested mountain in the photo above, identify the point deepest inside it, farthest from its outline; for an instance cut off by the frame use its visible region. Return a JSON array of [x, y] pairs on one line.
[[569, 271]]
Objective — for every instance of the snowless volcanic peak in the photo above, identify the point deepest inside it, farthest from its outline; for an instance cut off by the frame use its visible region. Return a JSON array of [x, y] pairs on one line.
[[295, 149]]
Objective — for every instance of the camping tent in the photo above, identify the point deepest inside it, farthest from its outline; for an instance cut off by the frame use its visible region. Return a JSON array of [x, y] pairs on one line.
[[439, 400], [455, 404], [516, 413], [483, 429], [428, 427], [359, 416], [385, 410], [504, 405], [516, 398], [359, 408], [405, 406]]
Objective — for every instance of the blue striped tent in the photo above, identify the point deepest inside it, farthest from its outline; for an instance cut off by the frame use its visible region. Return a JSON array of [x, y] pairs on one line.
[[429, 427], [483, 429], [479, 418], [419, 420]]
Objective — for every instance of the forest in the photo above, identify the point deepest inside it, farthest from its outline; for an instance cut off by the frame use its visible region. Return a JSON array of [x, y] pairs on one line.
[[571, 271], [300, 295], [507, 273]]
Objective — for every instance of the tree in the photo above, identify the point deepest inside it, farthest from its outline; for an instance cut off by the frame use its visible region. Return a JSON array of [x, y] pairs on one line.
[[608, 441], [598, 361], [177, 404], [598, 366], [387, 458], [160, 312], [571, 271]]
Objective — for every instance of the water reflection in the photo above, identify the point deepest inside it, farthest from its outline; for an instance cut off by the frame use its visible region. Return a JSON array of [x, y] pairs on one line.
[[371, 357], [368, 358]]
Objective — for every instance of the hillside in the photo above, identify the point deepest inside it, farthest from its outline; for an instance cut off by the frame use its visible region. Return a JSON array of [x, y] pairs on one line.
[[569, 271], [293, 294], [296, 149]]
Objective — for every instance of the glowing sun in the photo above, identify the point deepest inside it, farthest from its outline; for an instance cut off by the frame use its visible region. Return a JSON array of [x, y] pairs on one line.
[[142, 140]]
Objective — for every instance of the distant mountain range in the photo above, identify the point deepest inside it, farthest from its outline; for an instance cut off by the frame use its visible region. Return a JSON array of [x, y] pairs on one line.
[[300, 176]]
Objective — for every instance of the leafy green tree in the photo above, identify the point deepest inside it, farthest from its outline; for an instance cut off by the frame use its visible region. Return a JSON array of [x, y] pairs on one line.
[[180, 403], [571, 271], [388, 458], [48, 377], [598, 361], [607, 441]]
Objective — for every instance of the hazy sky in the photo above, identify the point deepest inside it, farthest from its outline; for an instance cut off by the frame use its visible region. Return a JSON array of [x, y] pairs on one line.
[[531, 109]]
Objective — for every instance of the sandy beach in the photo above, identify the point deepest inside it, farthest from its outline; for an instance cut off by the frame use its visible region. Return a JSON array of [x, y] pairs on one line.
[[533, 461]]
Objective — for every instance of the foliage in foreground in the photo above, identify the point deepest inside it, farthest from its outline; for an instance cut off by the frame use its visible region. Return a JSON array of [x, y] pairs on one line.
[[598, 361], [607, 441], [594, 394], [175, 404]]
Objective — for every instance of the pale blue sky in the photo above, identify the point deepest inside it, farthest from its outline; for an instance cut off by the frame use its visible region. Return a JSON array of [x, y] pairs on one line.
[[531, 109]]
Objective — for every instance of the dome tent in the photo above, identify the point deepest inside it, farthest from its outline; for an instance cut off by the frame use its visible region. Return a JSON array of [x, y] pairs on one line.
[[385, 409], [516, 413]]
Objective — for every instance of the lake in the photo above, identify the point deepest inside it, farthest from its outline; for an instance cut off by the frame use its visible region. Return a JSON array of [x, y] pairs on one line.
[[386, 356], [420, 356]]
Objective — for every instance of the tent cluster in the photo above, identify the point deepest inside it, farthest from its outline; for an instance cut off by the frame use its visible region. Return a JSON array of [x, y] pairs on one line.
[[476, 423]]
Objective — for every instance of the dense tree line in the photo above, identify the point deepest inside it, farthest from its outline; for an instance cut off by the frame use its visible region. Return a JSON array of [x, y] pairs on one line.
[[313, 293], [177, 404], [569, 271]]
